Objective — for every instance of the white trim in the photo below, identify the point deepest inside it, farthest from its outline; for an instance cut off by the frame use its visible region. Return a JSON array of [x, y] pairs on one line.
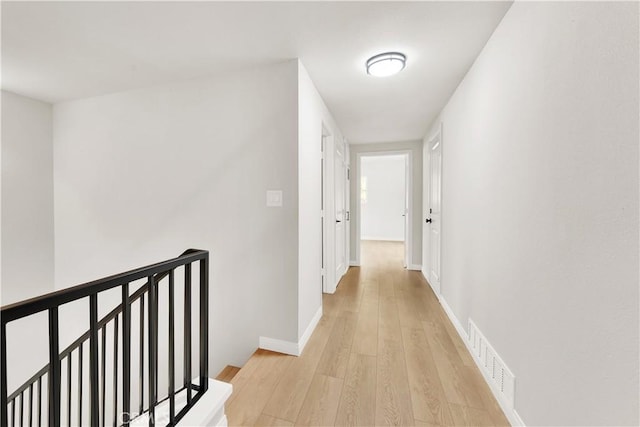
[[408, 188], [414, 267], [510, 413], [425, 274], [302, 342], [289, 347], [426, 175], [279, 346], [517, 421], [353, 263], [454, 320], [382, 239], [208, 411]]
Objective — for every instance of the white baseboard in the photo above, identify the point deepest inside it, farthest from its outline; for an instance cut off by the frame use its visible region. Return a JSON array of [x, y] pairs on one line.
[[435, 291], [354, 264], [454, 320], [279, 346], [289, 347], [509, 412], [414, 267], [517, 419], [302, 342], [381, 239]]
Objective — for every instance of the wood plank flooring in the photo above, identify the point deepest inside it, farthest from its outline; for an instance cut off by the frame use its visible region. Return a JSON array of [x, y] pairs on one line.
[[228, 373], [384, 353]]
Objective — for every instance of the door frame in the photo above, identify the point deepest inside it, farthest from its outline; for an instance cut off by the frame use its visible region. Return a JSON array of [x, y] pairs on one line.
[[327, 212], [426, 228], [408, 244], [326, 182], [341, 147]]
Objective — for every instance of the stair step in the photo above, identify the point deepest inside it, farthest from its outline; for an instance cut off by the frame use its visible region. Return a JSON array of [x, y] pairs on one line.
[[228, 373]]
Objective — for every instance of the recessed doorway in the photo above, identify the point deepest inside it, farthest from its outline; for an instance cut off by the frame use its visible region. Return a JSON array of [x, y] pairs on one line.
[[384, 200]]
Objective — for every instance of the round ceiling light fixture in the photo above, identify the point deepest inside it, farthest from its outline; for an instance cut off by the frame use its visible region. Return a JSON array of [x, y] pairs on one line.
[[386, 64]]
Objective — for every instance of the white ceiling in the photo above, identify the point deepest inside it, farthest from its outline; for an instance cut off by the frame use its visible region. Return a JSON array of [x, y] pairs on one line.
[[57, 51]]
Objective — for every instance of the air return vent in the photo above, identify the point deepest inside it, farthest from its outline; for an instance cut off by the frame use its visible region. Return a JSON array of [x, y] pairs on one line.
[[494, 369]]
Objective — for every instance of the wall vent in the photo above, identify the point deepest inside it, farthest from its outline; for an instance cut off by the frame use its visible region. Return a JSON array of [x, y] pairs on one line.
[[495, 370]]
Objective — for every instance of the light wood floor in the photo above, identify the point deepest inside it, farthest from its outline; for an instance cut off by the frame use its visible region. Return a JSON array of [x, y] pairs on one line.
[[384, 353], [228, 373]]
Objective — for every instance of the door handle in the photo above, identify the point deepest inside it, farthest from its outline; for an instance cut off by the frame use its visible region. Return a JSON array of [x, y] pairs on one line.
[[428, 220], [337, 220]]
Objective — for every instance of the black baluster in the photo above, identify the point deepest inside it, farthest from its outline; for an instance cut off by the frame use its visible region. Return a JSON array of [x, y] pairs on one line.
[[69, 389], [187, 331], [40, 401], [152, 354], [104, 373], [126, 355], [54, 369], [204, 324], [80, 385], [172, 399], [155, 338], [115, 371], [93, 361], [141, 381], [4, 416], [30, 404]]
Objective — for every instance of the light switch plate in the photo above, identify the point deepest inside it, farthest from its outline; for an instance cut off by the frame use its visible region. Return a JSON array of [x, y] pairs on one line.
[[274, 198]]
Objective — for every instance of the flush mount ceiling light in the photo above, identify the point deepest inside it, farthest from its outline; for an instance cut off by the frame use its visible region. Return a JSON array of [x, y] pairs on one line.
[[386, 64]]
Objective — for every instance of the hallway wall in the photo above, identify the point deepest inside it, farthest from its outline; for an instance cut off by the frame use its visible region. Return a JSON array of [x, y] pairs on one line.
[[313, 115], [540, 207], [142, 175], [27, 198], [381, 215], [27, 260]]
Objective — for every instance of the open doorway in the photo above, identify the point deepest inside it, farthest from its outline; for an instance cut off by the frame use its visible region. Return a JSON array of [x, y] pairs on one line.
[[384, 202]]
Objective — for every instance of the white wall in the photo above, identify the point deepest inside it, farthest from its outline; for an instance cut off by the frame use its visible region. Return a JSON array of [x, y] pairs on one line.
[[415, 147], [540, 207], [382, 215], [142, 175], [313, 115], [27, 227], [27, 198]]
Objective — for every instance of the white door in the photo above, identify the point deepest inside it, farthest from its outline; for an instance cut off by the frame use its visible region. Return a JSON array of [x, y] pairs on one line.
[[425, 210], [405, 214], [433, 218], [323, 266], [339, 197]]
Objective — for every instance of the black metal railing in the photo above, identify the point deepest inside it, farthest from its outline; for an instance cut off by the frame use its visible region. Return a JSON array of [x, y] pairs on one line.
[[119, 319]]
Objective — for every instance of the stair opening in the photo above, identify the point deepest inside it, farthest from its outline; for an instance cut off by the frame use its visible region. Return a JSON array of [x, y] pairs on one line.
[[150, 351]]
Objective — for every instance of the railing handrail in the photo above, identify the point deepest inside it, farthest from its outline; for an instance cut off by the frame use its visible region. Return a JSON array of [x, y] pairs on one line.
[[51, 302], [85, 337], [44, 302]]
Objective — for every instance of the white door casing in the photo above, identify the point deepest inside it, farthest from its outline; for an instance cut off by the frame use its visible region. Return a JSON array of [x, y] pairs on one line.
[[408, 198], [347, 204], [340, 216], [323, 226], [434, 224], [425, 210], [405, 214]]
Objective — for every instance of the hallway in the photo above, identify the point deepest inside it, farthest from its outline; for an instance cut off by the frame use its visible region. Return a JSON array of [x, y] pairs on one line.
[[384, 353]]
